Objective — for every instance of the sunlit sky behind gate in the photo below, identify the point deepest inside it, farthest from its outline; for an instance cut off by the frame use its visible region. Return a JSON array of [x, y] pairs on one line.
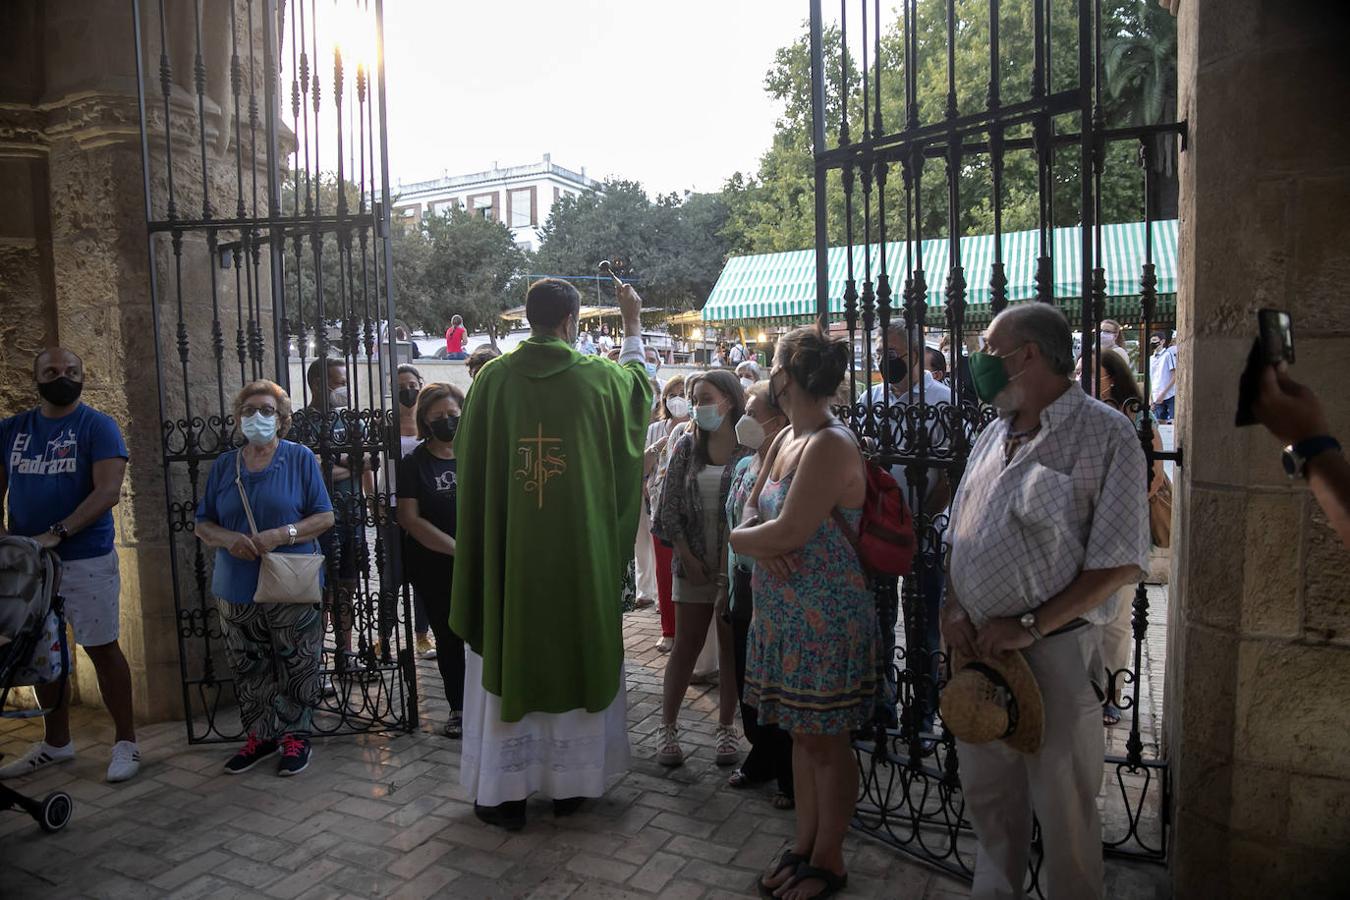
[[670, 94]]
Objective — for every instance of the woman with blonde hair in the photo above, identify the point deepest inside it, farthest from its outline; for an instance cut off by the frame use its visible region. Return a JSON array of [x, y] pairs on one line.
[[273, 648]]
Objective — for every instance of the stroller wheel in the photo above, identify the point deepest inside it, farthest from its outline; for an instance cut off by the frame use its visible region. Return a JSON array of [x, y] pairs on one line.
[[55, 812]]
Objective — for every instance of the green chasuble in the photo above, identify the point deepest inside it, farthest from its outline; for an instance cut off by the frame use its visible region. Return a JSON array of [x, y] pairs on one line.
[[550, 472]]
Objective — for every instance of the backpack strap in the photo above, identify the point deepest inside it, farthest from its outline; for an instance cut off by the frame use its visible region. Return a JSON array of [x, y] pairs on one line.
[[837, 514]]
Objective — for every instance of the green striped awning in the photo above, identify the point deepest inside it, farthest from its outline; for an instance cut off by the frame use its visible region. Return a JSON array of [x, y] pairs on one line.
[[782, 286]]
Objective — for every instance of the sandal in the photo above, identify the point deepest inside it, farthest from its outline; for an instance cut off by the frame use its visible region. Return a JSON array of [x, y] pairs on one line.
[[833, 883], [1110, 715], [454, 726], [784, 802], [788, 860]]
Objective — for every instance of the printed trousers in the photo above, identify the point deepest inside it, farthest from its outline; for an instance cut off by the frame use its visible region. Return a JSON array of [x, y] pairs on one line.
[[273, 650]]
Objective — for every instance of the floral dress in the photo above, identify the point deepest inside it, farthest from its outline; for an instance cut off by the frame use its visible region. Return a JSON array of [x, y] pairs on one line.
[[812, 663]]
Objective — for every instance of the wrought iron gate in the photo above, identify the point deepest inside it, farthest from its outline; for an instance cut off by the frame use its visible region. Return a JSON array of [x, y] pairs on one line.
[[266, 194], [1053, 119]]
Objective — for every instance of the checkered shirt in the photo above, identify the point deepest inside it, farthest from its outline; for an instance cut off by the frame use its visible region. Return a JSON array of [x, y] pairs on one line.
[[1073, 498]]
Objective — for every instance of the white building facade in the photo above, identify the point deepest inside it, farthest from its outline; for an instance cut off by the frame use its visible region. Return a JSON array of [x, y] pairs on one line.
[[521, 197]]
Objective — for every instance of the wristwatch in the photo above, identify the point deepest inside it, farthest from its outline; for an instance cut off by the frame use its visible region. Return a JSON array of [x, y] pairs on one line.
[[1296, 456], [1028, 621], [292, 532], [59, 529]]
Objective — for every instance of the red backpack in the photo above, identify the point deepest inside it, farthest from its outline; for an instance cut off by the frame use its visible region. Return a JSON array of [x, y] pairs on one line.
[[884, 540]]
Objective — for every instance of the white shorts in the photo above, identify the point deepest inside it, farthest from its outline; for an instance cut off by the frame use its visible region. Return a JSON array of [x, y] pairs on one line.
[[92, 589]]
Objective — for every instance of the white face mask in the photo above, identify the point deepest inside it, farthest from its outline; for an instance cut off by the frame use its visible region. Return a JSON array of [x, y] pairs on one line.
[[339, 398], [750, 433], [746, 382], [677, 407]]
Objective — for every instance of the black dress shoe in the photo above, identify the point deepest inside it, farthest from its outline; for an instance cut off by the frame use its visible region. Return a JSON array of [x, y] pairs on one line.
[[567, 806], [509, 815]]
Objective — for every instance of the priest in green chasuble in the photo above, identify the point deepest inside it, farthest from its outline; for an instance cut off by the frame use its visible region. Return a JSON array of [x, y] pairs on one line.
[[550, 470]]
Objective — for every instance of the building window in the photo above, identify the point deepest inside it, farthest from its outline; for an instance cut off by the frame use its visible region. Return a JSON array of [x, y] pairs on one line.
[[485, 205], [520, 204]]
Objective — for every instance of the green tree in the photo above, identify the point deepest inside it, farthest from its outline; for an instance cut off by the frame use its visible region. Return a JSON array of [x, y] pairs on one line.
[[774, 209], [674, 244], [472, 267]]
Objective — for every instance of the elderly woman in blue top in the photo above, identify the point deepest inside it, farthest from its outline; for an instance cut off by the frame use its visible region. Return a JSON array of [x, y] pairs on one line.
[[273, 648]]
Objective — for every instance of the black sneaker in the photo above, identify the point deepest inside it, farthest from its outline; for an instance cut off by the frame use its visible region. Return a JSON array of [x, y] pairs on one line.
[[254, 752], [295, 753]]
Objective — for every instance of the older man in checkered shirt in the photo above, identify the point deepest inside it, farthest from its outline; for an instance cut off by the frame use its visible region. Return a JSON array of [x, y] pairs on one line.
[[1049, 520]]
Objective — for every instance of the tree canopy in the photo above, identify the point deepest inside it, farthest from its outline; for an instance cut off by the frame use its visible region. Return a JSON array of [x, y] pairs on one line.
[[674, 243], [773, 209]]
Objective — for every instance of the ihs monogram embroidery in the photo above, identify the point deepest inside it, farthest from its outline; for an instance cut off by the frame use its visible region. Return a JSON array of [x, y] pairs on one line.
[[541, 459]]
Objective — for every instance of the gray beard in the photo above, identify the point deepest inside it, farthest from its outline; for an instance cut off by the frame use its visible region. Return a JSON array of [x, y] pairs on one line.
[[1009, 400]]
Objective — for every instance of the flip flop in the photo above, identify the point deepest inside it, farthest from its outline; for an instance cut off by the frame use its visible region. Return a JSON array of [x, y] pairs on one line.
[[833, 883], [788, 860]]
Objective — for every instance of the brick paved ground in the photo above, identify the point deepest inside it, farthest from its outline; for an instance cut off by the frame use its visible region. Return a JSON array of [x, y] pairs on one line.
[[385, 816]]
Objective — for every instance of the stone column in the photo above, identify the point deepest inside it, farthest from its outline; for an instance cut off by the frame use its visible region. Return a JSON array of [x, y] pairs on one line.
[[74, 266], [1258, 706]]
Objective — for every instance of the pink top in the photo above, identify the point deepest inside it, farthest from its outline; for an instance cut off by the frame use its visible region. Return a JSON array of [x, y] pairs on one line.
[[454, 339]]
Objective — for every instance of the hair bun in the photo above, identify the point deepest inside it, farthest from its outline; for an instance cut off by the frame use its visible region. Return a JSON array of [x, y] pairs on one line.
[[816, 361]]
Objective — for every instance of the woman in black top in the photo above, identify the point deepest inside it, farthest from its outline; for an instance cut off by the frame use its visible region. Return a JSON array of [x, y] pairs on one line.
[[427, 489]]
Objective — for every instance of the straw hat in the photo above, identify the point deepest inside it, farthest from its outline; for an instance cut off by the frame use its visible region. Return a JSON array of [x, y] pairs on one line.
[[994, 699]]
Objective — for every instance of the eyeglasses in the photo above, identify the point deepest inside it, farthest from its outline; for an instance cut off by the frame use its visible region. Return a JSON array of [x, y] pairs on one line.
[[266, 412]]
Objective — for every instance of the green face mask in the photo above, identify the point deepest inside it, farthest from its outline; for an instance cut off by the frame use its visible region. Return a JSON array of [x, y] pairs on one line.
[[987, 375]]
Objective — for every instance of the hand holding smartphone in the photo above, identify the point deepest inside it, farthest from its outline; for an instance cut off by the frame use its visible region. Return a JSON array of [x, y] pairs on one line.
[[1273, 345]]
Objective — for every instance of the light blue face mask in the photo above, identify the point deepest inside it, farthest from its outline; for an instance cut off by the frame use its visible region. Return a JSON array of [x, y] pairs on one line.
[[708, 418], [259, 429], [651, 370]]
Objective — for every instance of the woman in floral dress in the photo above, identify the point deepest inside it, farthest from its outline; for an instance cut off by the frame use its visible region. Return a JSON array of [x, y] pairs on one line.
[[812, 666]]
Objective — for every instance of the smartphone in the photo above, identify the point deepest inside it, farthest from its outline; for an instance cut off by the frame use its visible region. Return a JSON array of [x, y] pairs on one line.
[[1277, 336], [1273, 345]]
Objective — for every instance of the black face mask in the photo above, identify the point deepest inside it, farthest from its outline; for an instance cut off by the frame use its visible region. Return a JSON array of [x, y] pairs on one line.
[[61, 391], [444, 429], [896, 368], [408, 396]]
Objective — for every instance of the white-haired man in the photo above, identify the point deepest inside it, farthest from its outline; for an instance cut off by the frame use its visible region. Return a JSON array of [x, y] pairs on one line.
[[1049, 520]]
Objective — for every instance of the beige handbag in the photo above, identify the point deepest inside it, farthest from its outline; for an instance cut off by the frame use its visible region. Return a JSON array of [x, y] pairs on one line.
[[282, 577]]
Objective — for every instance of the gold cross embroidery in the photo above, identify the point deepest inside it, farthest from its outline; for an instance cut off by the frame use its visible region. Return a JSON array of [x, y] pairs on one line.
[[541, 459]]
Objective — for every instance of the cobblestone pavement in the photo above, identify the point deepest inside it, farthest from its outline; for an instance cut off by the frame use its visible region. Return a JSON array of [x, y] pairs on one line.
[[382, 815]]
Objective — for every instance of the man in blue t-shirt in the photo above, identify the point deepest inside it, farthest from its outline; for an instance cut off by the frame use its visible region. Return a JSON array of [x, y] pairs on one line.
[[62, 467]]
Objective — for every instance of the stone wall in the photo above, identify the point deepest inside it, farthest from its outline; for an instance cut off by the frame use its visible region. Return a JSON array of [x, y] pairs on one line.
[[74, 266], [1259, 702]]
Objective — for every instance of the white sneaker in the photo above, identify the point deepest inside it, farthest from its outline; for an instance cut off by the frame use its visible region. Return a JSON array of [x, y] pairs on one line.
[[126, 761], [665, 645], [39, 756]]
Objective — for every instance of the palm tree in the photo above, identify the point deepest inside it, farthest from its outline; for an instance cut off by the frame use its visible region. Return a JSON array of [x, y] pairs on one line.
[[1139, 55]]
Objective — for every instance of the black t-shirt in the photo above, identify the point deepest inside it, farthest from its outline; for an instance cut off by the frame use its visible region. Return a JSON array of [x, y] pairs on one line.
[[432, 482]]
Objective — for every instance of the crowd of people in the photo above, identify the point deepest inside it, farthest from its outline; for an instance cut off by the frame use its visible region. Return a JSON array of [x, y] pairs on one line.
[[518, 505]]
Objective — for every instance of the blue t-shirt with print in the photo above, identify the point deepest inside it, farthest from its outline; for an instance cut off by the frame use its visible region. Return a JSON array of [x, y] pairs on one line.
[[49, 464], [290, 489]]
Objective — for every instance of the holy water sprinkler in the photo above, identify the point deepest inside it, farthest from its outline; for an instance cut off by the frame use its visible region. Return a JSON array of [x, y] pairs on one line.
[[608, 270]]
